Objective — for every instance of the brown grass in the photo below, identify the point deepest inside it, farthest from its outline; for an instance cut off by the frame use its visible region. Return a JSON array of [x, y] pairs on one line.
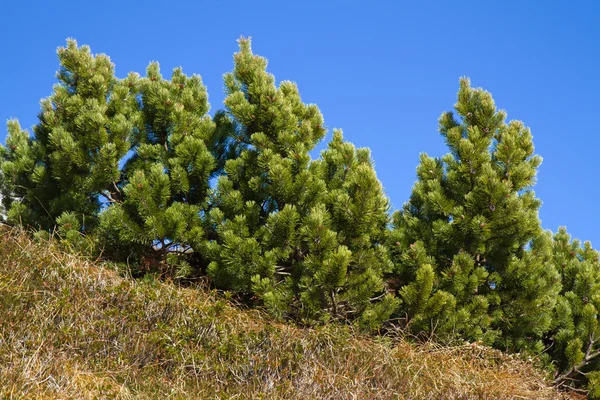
[[72, 329]]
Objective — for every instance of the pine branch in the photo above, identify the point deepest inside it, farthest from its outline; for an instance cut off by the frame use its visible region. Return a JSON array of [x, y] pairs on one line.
[[283, 270], [575, 370], [334, 303], [108, 196], [381, 296]]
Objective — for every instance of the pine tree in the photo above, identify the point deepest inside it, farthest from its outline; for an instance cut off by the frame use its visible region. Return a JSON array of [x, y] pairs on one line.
[[71, 165], [305, 237], [359, 213], [269, 179], [471, 257], [178, 151], [574, 341]]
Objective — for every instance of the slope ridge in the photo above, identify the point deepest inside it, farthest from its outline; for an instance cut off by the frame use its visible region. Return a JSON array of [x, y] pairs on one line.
[[71, 328]]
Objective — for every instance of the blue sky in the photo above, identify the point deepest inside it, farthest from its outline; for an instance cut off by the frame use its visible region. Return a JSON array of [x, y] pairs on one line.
[[381, 71]]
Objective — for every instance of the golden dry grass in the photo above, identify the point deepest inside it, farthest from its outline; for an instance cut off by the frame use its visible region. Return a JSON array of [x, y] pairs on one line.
[[72, 329]]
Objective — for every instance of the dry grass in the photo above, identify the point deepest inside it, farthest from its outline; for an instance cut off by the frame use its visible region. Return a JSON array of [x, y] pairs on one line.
[[70, 329]]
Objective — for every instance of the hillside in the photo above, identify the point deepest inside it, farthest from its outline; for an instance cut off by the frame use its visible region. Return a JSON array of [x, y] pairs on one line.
[[70, 328]]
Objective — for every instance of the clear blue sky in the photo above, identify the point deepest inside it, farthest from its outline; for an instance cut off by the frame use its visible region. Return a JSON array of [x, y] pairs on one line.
[[381, 71]]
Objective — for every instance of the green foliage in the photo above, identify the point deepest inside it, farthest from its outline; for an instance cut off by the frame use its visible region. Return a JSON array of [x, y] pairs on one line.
[[83, 132], [167, 179], [575, 335], [305, 236], [468, 245], [69, 230], [593, 379]]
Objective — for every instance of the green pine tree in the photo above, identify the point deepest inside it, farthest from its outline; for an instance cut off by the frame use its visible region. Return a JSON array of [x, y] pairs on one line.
[[269, 179], [471, 257], [359, 213], [305, 237], [574, 341], [71, 165], [165, 196]]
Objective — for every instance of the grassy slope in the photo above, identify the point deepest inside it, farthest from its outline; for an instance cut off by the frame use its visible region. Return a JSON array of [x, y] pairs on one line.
[[72, 329]]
